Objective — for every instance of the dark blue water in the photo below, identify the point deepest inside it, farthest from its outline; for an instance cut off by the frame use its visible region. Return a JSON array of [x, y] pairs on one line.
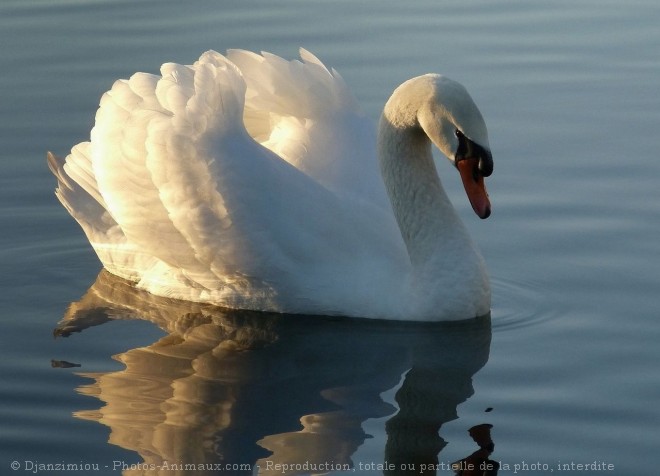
[[566, 367]]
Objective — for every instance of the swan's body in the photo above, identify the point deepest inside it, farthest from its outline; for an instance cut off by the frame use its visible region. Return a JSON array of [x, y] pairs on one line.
[[253, 182]]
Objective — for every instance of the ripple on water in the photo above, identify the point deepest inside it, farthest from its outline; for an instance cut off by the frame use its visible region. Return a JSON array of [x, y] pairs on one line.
[[518, 304]]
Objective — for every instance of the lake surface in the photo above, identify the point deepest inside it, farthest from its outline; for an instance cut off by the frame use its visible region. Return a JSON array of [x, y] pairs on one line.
[[566, 369]]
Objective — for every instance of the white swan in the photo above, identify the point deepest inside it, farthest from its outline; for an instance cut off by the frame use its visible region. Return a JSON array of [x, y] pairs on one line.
[[253, 182]]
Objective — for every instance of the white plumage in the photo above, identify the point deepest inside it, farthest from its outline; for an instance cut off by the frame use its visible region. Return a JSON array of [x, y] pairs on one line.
[[253, 182]]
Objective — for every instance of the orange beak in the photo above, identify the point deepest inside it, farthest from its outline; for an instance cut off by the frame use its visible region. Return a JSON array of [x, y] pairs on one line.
[[473, 181]]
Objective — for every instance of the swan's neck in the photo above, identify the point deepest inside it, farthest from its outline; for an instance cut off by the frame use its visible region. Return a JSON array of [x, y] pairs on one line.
[[428, 222]]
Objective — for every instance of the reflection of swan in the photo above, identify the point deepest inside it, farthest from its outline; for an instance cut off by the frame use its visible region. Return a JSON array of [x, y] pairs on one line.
[[479, 462], [252, 182], [240, 388]]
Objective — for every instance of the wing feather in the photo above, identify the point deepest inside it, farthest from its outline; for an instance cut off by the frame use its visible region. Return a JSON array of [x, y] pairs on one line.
[[230, 180], [306, 114]]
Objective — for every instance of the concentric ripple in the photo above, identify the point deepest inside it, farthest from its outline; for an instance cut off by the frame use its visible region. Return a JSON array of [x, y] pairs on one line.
[[518, 304]]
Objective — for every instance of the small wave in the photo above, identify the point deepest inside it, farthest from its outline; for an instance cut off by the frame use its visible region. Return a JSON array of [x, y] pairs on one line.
[[518, 304]]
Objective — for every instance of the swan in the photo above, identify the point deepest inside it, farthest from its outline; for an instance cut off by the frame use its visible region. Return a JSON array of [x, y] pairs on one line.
[[253, 182]]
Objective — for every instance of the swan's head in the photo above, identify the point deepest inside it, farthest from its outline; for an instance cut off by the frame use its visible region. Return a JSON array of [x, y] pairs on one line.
[[446, 113]]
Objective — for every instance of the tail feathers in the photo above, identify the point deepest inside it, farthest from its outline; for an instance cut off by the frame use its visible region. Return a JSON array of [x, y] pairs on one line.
[[77, 188], [56, 166], [77, 192]]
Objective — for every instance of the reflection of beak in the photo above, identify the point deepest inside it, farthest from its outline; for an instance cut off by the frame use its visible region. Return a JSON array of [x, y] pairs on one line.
[[473, 181]]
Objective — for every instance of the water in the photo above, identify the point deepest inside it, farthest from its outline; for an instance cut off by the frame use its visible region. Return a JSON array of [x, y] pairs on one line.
[[567, 364]]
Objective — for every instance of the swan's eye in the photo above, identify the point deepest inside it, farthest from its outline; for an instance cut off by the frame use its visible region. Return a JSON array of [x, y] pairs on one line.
[[458, 133]]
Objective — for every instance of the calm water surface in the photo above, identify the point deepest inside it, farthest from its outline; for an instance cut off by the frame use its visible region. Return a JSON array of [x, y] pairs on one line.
[[566, 369]]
